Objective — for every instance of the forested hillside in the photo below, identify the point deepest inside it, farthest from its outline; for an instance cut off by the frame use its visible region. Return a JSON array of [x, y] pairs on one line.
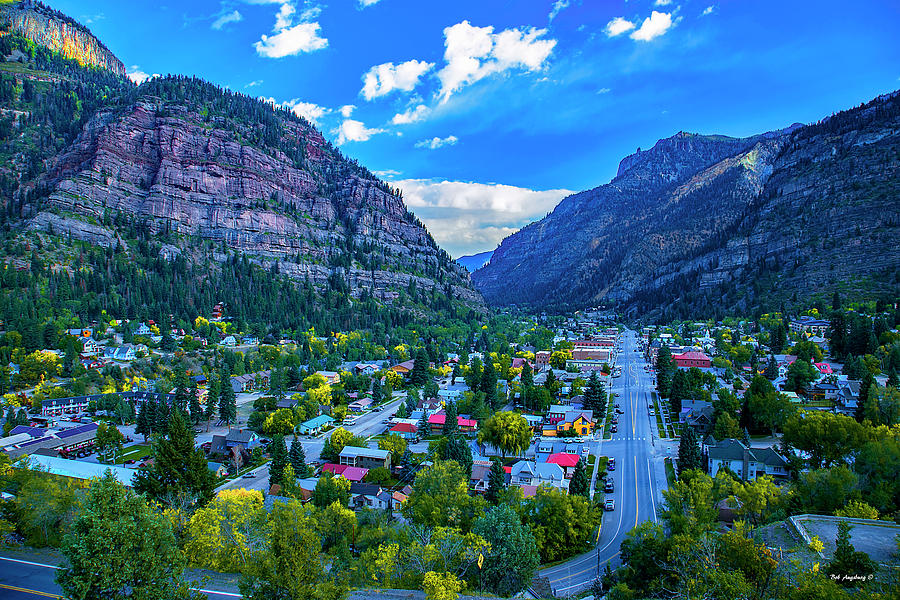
[[168, 197]]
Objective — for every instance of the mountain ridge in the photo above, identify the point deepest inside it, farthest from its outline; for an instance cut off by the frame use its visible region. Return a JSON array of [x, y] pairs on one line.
[[682, 217]]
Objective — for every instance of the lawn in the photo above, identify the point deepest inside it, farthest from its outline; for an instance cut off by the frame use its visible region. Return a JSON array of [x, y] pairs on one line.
[[136, 452], [670, 472], [610, 414], [659, 422]]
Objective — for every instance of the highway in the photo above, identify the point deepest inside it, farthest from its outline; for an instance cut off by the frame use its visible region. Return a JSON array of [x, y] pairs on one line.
[[26, 580], [638, 477]]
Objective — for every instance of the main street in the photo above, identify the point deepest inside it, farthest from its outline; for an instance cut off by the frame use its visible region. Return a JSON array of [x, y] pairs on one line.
[[638, 478]]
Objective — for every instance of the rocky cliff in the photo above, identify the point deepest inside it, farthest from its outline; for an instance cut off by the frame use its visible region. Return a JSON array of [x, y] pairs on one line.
[[698, 221], [54, 30]]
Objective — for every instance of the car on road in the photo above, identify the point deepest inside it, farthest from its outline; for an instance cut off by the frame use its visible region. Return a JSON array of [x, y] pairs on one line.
[[248, 476], [620, 411], [376, 409], [610, 504], [617, 405], [611, 464], [609, 488], [614, 429], [385, 421], [617, 394], [578, 440]]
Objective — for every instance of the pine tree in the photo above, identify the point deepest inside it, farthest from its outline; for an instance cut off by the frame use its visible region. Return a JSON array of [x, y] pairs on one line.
[[892, 379], [527, 376], [496, 482], [279, 455], [161, 417], [455, 374], [580, 483], [595, 394], [489, 383], [212, 398], [688, 450], [298, 458], [451, 424], [771, 372], [664, 371], [419, 374], [424, 426], [179, 471], [459, 450], [865, 387], [196, 409], [181, 390], [227, 400]]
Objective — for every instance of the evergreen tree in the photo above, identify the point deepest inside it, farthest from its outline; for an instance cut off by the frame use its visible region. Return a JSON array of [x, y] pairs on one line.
[[489, 383], [664, 371], [836, 301], [196, 409], [458, 449], [771, 372], [161, 416], [496, 481], [527, 376], [451, 424], [212, 398], [298, 458], [847, 560], [679, 391], [837, 334], [179, 474], [424, 427], [746, 437], [892, 379], [279, 455], [376, 391], [455, 374], [865, 389], [227, 400], [419, 374], [595, 395], [580, 483], [181, 390], [688, 450]]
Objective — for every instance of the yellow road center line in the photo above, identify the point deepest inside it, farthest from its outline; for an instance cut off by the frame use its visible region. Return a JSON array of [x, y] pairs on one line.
[[27, 591]]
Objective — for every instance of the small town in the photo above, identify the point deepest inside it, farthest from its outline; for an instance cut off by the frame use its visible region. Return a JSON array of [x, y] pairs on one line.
[[403, 300]]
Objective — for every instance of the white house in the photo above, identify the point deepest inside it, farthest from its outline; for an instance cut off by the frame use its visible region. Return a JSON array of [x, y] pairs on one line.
[[526, 472], [229, 341], [142, 329], [746, 463]]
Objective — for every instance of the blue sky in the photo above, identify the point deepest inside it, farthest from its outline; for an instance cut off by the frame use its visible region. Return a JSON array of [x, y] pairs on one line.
[[486, 113]]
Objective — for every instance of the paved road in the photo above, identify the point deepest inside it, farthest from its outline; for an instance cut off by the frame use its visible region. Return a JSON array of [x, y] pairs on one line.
[[639, 474], [22, 579], [367, 425]]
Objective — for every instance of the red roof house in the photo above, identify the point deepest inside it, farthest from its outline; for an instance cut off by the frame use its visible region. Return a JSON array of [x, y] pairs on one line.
[[692, 359], [407, 431], [437, 420], [565, 460]]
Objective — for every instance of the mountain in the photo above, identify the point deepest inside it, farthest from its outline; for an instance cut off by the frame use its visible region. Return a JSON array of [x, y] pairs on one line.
[[475, 261], [710, 223], [178, 176], [57, 32]]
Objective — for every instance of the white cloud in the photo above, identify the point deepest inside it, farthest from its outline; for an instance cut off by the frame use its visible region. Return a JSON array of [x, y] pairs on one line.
[[308, 110], [254, 83], [284, 17], [618, 26], [294, 40], [604, 90], [436, 142], [473, 53], [382, 79], [222, 21], [367, 3], [354, 131], [709, 10], [653, 26], [662, 2], [466, 218], [412, 115], [138, 76], [558, 6], [347, 110]]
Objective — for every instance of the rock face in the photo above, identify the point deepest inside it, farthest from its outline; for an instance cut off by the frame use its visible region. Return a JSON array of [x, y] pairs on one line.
[[50, 28], [699, 218], [196, 178]]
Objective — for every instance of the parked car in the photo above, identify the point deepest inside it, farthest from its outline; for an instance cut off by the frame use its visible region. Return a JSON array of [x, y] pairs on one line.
[[609, 485], [614, 429], [620, 411], [248, 476], [611, 464], [130, 461], [610, 504]]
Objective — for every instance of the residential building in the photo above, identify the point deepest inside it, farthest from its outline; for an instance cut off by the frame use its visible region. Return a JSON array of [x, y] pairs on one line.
[[526, 472], [369, 458], [692, 359], [746, 463], [346, 471], [125, 352], [315, 425], [436, 422], [810, 325], [407, 431], [541, 360], [581, 422], [79, 469], [229, 341], [566, 462], [23, 440], [404, 368]]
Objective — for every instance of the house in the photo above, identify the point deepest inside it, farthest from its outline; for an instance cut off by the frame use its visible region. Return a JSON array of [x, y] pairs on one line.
[[91, 347], [824, 368], [125, 352], [142, 329], [359, 405], [242, 383], [533, 421], [436, 422], [541, 360], [848, 397], [822, 392], [697, 413], [218, 311], [526, 472], [346, 471], [79, 469], [367, 495], [250, 340], [405, 430], [810, 325], [229, 341], [566, 461], [366, 369], [369, 458], [480, 477], [404, 368], [746, 463], [315, 425], [331, 377], [218, 469], [23, 440], [245, 438], [80, 332], [581, 422], [557, 413], [692, 359]]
